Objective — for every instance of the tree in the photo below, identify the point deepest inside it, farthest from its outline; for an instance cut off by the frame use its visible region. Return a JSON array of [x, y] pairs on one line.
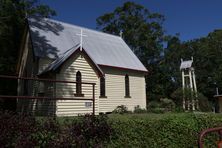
[[207, 53], [143, 32], [13, 15]]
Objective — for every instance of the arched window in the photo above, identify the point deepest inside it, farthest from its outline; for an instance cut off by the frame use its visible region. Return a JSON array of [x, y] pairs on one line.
[[127, 86], [102, 87], [79, 84]]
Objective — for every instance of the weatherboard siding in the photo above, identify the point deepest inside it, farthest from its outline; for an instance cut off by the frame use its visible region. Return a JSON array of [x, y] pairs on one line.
[[115, 90], [68, 72]]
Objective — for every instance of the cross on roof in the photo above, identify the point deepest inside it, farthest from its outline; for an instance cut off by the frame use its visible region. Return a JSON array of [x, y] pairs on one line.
[[81, 35]]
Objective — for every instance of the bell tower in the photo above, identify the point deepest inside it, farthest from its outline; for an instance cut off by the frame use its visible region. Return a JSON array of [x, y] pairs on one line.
[[190, 101]]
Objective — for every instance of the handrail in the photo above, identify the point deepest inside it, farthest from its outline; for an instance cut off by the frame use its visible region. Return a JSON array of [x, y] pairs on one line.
[[40, 79], [206, 131], [50, 98]]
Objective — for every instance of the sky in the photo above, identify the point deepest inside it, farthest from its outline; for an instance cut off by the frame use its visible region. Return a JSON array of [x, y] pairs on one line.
[[190, 18]]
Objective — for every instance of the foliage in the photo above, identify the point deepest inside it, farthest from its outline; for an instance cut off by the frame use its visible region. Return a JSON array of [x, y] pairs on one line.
[[143, 32], [13, 15], [120, 109], [26, 131], [88, 132], [139, 110], [164, 130], [168, 104], [154, 107], [204, 104], [161, 106], [207, 61]]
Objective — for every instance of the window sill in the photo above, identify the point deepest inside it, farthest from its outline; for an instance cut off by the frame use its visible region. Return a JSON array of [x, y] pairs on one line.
[[102, 96], [127, 97], [79, 95]]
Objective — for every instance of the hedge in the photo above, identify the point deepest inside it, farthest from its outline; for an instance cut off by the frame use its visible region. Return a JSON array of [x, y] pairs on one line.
[[167, 130], [171, 130]]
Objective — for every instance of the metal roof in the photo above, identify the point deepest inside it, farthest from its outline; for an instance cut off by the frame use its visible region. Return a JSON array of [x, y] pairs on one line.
[[186, 64], [53, 39], [60, 60]]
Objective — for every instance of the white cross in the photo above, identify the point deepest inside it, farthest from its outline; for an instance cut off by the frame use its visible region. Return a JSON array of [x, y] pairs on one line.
[[81, 35]]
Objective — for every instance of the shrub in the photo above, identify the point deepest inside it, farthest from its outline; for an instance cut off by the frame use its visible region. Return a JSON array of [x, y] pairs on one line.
[[164, 105], [26, 131], [168, 130], [139, 110], [204, 104], [167, 104], [120, 110], [90, 131]]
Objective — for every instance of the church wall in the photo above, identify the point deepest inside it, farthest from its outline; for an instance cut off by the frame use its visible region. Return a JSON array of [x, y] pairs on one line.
[[68, 72], [115, 90]]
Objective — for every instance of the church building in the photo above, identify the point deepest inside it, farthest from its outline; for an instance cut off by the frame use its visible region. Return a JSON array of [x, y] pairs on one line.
[[64, 52]]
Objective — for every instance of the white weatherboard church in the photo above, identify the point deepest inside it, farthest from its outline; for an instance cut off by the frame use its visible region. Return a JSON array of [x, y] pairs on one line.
[[61, 51]]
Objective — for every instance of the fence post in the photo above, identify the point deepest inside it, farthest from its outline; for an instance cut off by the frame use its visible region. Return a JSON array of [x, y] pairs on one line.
[[93, 99]]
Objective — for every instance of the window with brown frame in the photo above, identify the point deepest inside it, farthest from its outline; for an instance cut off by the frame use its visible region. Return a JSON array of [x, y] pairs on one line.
[[102, 88], [127, 87], [79, 85]]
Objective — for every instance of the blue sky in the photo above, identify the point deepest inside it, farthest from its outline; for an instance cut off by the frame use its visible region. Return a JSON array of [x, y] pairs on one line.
[[191, 18]]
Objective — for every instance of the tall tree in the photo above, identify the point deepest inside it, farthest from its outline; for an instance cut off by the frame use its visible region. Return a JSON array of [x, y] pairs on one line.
[[143, 32], [207, 53], [12, 20], [12, 23]]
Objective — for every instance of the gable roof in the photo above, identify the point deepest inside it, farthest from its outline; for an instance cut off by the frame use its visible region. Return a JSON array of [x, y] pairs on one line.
[[53, 39], [63, 58], [186, 64]]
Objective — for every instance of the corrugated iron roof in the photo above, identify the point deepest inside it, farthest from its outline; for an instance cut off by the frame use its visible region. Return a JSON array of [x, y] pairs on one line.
[[60, 60], [53, 39]]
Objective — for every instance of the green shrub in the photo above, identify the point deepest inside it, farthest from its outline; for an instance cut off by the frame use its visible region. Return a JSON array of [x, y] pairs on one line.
[[168, 131], [139, 110], [120, 110], [167, 104], [204, 104], [162, 106], [27, 131]]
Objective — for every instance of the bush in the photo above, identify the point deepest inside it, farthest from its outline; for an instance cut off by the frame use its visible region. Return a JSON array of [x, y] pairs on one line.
[[120, 110], [167, 104], [162, 106], [26, 131], [139, 110], [204, 104], [90, 131], [168, 130]]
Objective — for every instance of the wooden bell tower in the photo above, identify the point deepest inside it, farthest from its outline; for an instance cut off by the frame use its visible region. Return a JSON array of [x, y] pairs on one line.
[[189, 83]]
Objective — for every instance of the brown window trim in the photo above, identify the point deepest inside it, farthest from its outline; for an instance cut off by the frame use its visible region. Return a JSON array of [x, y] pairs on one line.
[[102, 96], [127, 86], [103, 87], [79, 95], [127, 96], [79, 85]]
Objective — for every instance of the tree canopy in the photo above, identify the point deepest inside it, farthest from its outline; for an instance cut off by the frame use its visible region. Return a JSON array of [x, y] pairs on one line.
[[12, 22], [13, 15], [144, 33], [142, 30]]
